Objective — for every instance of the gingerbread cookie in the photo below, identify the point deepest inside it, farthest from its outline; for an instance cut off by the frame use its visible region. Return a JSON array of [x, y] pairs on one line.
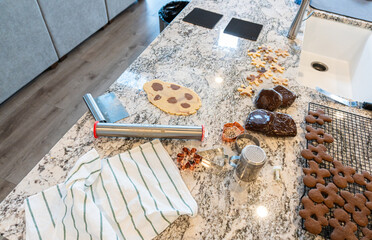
[[327, 195], [246, 90], [280, 81], [314, 215], [253, 53], [282, 53], [343, 228], [364, 179], [367, 234], [270, 58], [172, 98], [264, 72], [317, 117], [258, 62], [318, 153], [342, 174], [356, 206], [264, 49], [318, 135], [253, 79], [368, 195], [320, 173], [277, 68]]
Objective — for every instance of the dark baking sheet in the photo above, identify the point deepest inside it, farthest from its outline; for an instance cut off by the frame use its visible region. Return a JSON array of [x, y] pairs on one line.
[[359, 9], [243, 29], [203, 18], [352, 146]]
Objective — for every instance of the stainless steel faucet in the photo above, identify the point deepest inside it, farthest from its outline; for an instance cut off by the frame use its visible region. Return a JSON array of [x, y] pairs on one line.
[[296, 24]]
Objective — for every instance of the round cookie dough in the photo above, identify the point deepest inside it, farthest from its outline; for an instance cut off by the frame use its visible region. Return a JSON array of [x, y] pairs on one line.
[[172, 98]]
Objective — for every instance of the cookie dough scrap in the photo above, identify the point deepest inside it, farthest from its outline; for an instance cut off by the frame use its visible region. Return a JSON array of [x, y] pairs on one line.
[[246, 90], [172, 98], [282, 53], [264, 49], [258, 62], [253, 53], [253, 79], [270, 58], [280, 81], [277, 68], [265, 72]]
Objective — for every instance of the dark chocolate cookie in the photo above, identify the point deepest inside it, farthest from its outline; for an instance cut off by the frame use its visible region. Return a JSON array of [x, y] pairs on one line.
[[288, 97], [268, 99]]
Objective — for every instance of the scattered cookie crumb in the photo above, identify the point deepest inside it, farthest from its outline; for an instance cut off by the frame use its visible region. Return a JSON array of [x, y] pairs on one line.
[[258, 62], [277, 68], [246, 90], [253, 53], [270, 58], [282, 53], [280, 81], [265, 72]]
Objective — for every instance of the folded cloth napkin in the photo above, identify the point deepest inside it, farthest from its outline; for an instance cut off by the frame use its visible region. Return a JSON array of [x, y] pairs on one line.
[[134, 195]]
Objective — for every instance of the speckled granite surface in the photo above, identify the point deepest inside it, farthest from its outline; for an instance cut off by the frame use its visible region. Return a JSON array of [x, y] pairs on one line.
[[194, 57]]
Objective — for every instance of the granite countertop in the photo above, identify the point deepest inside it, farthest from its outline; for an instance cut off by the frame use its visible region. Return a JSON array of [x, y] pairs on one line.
[[194, 57]]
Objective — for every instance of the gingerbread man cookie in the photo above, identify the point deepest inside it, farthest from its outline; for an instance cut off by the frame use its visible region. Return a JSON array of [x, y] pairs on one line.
[[258, 62], [318, 153], [314, 215], [343, 227], [253, 79], [277, 68], [318, 135], [367, 234], [253, 53], [317, 117], [264, 72], [320, 173], [264, 49], [280, 81], [270, 58], [356, 206], [327, 195], [282, 53], [364, 179], [368, 195], [246, 90], [342, 174]]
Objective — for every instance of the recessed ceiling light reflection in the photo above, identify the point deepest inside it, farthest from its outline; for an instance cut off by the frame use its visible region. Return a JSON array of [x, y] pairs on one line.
[[218, 79], [227, 40], [262, 211]]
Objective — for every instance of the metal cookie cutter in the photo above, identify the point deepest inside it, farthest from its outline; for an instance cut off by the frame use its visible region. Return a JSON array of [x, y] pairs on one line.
[[245, 137]]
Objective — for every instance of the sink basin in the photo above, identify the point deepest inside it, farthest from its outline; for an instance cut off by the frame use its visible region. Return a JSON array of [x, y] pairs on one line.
[[338, 58]]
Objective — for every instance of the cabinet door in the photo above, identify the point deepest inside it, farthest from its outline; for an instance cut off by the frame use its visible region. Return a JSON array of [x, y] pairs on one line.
[[26, 49], [70, 22], [114, 7]]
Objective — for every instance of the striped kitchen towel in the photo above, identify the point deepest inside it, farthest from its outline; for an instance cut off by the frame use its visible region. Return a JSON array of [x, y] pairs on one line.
[[134, 195]]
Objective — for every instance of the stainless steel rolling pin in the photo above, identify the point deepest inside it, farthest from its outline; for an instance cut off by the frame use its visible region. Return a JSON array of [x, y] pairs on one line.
[[148, 131]]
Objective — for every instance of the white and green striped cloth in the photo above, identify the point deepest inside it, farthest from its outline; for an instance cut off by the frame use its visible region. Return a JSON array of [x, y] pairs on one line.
[[134, 195]]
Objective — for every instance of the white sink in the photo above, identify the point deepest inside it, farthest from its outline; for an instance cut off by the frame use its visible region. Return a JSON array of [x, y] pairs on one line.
[[347, 52]]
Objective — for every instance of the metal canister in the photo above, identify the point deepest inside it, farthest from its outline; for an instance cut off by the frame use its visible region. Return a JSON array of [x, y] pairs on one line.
[[249, 163]]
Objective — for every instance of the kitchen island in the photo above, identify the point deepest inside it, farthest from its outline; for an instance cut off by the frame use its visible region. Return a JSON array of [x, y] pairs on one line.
[[214, 66]]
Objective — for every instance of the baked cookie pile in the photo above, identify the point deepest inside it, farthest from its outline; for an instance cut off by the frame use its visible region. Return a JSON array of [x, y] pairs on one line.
[[349, 210], [265, 59]]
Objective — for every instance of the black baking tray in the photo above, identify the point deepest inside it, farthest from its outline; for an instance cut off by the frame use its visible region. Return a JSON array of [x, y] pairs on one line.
[[352, 146], [203, 18]]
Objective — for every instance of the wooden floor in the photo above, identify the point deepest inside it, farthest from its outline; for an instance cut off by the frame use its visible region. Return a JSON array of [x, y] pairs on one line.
[[35, 118]]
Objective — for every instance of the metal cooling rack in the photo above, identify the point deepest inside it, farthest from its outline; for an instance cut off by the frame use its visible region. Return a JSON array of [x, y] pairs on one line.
[[352, 146]]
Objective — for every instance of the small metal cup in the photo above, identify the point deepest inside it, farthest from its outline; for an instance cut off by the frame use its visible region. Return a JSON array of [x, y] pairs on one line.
[[249, 163]]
